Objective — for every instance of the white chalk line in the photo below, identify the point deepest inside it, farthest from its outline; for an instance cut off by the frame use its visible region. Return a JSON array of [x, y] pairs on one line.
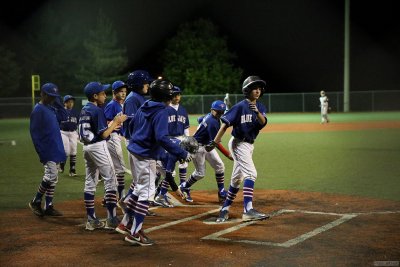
[[301, 238]]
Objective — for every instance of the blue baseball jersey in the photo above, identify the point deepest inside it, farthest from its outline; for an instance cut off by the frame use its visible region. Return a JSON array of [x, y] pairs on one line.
[[132, 103], [111, 110], [150, 132], [92, 124], [178, 120], [71, 123], [244, 121], [45, 133], [207, 130]]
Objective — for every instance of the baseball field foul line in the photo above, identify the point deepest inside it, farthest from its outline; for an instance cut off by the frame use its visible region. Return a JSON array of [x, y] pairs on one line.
[[179, 221], [289, 243]]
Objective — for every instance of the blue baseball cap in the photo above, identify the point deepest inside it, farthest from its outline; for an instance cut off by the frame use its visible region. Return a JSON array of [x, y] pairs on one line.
[[118, 85], [68, 97], [95, 88], [50, 89], [218, 105], [176, 90]]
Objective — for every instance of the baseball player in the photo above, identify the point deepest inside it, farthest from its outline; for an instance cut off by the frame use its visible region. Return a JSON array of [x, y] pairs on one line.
[[69, 134], [46, 137], [204, 134], [150, 137], [138, 82], [112, 109], [190, 144], [247, 118], [93, 133], [324, 107], [178, 127]]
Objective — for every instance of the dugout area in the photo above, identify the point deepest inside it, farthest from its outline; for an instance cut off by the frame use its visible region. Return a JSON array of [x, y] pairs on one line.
[[306, 229]]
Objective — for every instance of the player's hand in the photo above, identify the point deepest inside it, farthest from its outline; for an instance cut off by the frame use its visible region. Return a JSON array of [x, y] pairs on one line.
[[120, 118], [179, 194], [210, 146], [253, 107], [187, 159]]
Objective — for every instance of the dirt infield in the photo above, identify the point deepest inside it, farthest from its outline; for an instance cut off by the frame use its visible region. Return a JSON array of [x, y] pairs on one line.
[[308, 229]]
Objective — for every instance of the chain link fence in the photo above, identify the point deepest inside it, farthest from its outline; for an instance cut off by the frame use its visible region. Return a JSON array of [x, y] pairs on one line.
[[289, 102]]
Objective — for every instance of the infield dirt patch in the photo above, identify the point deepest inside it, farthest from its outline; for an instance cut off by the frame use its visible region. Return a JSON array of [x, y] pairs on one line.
[[372, 235]]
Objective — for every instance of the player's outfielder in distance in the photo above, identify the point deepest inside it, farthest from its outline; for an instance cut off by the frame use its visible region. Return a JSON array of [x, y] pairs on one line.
[[114, 144], [69, 134], [247, 118], [46, 137], [93, 132], [324, 107], [205, 133]]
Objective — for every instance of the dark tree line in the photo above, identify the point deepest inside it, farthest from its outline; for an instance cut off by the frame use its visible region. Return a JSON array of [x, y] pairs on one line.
[[70, 55]]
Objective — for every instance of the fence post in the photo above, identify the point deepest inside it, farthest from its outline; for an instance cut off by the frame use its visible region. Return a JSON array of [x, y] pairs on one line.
[[373, 100], [302, 95], [202, 104], [269, 102]]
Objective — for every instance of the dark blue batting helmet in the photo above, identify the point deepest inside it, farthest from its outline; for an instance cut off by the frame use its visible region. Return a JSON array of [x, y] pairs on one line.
[[137, 78]]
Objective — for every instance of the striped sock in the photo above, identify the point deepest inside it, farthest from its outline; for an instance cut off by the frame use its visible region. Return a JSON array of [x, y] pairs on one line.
[[220, 178], [164, 187], [140, 213], [111, 203], [89, 204], [40, 191], [121, 186], [131, 204], [230, 196], [189, 182], [72, 162], [130, 190], [49, 195], [182, 175], [248, 188]]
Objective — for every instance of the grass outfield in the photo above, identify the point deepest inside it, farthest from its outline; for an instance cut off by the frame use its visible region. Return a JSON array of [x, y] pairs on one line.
[[364, 163]]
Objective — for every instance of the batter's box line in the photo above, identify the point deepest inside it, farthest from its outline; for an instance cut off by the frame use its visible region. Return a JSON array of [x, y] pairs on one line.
[[301, 238]]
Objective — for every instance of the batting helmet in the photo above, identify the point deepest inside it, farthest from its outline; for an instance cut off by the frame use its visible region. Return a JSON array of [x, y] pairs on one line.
[[117, 85], [137, 78], [161, 90], [218, 105], [251, 83]]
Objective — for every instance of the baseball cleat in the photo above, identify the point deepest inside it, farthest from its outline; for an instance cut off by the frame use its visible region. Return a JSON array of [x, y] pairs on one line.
[[163, 201], [253, 215], [94, 224], [111, 223], [36, 208], [186, 192], [122, 229], [72, 173], [51, 211], [139, 239], [223, 216]]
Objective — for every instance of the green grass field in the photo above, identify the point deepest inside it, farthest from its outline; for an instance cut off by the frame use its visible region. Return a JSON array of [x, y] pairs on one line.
[[364, 163]]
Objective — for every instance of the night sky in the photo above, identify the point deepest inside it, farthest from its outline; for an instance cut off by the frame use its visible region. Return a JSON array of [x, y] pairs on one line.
[[295, 45]]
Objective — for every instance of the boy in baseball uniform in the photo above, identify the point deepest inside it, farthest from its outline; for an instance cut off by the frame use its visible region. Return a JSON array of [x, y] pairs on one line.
[[69, 134], [112, 109], [205, 134], [93, 132], [46, 137], [247, 118], [150, 137]]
